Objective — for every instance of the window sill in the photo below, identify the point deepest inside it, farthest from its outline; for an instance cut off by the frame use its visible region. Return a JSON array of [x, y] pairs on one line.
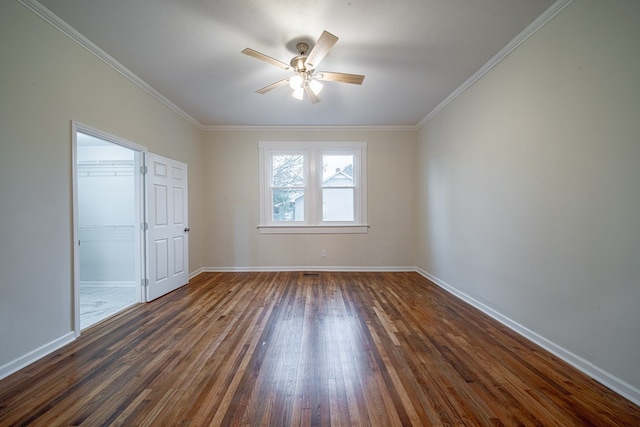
[[314, 229]]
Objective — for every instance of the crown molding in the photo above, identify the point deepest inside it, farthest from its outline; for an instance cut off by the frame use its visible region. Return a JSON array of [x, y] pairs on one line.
[[536, 25], [70, 32], [408, 128], [73, 34]]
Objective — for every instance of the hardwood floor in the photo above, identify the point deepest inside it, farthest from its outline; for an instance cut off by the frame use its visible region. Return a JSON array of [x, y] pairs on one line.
[[292, 348]]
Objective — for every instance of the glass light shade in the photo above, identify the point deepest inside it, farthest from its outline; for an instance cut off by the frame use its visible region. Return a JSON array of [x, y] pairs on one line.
[[298, 93], [315, 86], [295, 82]]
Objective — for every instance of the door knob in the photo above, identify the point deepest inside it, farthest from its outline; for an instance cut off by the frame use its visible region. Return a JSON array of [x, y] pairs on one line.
[[187, 229]]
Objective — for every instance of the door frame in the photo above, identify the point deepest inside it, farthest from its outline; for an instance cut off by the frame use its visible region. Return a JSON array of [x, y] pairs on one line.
[[140, 205]]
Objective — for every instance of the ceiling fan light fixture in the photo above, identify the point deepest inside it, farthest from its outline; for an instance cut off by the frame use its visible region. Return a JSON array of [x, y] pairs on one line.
[[298, 93], [315, 86], [295, 82]]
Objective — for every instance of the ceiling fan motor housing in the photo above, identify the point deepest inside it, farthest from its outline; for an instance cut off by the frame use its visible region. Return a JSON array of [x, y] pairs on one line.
[[298, 63]]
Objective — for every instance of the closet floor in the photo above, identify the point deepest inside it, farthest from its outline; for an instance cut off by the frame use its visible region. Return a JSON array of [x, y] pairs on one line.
[[99, 302]]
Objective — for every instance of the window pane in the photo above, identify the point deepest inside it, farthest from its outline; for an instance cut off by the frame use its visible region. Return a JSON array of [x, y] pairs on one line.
[[337, 204], [337, 170], [288, 204], [287, 170]]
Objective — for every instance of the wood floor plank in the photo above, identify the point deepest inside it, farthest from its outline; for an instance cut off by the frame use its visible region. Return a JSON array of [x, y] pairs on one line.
[[315, 349]]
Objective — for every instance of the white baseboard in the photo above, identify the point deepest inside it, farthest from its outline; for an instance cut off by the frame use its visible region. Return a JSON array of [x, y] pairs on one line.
[[607, 379], [195, 273], [27, 359], [307, 268]]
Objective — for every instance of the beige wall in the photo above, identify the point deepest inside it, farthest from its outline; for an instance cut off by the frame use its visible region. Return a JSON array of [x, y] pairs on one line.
[[529, 188], [47, 80], [524, 195], [231, 179]]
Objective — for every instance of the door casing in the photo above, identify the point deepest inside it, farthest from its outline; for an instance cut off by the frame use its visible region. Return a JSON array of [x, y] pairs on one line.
[[142, 199]]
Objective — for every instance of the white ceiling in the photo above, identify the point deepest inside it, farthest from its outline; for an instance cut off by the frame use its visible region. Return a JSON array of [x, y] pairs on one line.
[[414, 53]]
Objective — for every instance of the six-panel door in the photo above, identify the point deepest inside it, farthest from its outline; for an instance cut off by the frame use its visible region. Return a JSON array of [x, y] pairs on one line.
[[168, 230]]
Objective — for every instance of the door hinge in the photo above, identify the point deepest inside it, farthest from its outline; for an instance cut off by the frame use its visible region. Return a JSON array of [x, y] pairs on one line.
[[145, 282], [143, 170], [144, 226]]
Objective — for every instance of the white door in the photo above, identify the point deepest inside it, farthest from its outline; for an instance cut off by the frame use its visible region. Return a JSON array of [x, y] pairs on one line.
[[168, 229]]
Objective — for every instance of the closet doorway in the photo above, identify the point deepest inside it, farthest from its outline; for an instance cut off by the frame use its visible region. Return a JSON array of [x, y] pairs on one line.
[[108, 203]]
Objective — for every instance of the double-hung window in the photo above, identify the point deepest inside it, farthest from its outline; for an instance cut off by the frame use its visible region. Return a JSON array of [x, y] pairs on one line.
[[313, 187]]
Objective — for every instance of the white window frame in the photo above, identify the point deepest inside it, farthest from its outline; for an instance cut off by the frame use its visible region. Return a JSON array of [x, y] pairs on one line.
[[313, 152]]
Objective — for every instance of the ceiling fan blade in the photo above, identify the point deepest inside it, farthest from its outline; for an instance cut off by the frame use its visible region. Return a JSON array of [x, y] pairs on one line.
[[272, 86], [355, 79], [265, 58], [320, 50], [312, 96]]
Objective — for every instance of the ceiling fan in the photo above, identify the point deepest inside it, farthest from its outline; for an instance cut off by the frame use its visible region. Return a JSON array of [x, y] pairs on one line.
[[305, 79]]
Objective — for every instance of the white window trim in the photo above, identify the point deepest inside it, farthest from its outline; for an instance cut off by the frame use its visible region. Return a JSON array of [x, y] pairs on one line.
[[313, 190]]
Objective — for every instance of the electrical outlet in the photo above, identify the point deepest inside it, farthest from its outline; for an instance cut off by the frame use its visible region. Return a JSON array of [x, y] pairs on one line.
[[323, 253]]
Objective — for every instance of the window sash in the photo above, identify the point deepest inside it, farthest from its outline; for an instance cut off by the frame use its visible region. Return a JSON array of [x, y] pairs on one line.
[[339, 210], [296, 182], [296, 214], [314, 188]]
